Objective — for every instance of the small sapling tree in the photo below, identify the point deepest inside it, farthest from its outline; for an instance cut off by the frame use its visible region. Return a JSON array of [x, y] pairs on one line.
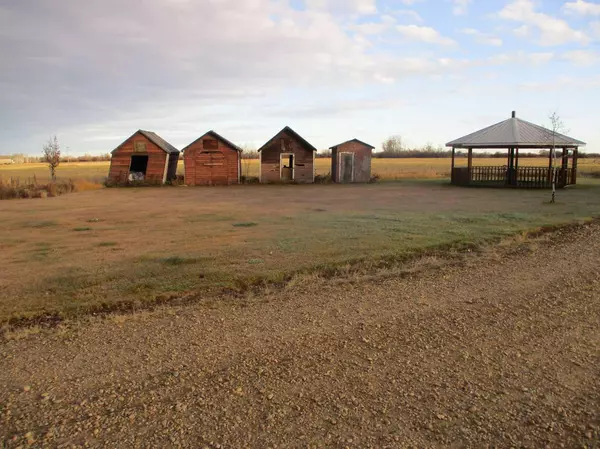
[[51, 155], [556, 127]]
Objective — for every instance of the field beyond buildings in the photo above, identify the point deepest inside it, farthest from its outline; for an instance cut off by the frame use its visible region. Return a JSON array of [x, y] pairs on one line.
[[98, 249], [387, 169]]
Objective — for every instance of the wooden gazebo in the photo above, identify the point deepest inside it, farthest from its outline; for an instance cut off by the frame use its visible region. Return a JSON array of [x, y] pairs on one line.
[[515, 134]]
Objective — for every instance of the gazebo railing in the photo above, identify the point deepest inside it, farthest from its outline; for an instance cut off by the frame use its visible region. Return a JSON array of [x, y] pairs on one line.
[[531, 177]]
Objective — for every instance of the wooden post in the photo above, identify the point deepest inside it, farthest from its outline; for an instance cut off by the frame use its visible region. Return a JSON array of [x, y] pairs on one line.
[[452, 167], [510, 167], [550, 166], [470, 164], [575, 156], [516, 166], [563, 167]]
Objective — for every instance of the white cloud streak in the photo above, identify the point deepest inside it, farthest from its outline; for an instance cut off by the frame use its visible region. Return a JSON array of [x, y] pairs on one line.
[[424, 34], [582, 8], [483, 38], [552, 31]]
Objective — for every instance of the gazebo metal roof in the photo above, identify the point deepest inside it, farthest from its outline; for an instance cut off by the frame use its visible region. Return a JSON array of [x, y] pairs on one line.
[[515, 133]]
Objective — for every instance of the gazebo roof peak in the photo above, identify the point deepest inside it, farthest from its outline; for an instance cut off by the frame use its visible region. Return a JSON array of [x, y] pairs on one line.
[[515, 133]]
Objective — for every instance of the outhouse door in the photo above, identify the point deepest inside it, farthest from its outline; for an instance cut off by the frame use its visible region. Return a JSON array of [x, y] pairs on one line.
[[346, 167], [211, 168]]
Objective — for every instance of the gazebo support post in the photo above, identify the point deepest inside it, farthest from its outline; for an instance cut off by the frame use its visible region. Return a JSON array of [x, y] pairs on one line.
[[470, 164], [564, 167], [516, 176], [550, 166], [575, 156], [510, 178], [452, 167]]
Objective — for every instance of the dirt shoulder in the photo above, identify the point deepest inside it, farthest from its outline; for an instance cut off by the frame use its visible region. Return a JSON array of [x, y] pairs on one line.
[[500, 349]]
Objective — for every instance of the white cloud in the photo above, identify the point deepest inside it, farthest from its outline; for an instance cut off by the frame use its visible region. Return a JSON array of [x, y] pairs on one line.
[[460, 7], [374, 28], [408, 14], [483, 38], [552, 31], [581, 57], [522, 31], [424, 34], [519, 58], [362, 7], [595, 29], [582, 8]]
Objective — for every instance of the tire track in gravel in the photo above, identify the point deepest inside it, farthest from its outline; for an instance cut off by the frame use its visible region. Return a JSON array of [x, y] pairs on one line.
[[501, 350]]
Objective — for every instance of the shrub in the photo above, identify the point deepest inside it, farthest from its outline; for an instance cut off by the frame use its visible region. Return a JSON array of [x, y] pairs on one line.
[[249, 179], [323, 179], [15, 188], [374, 178]]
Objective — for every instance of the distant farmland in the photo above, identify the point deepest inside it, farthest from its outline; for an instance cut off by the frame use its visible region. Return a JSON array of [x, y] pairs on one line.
[[387, 169]]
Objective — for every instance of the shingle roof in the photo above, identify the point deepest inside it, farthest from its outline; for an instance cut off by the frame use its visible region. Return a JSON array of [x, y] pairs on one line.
[[155, 139], [292, 132], [216, 136], [159, 141], [514, 132], [352, 140]]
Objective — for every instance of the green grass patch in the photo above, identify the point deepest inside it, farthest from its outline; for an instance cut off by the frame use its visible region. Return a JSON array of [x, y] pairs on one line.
[[178, 260], [245, 224], [40, 224], [107, 244]]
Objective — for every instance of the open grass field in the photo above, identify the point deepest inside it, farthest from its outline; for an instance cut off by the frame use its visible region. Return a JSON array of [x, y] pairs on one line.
[[72, 253], [387, 169]]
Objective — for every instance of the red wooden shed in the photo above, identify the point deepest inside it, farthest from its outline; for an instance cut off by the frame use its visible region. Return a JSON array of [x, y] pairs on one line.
[[351, 161], [212, 160], [145, 156], [287, 157]]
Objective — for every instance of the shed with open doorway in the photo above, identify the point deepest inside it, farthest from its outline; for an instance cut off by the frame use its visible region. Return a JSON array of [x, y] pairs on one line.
[[212, 160], [351, 161], [287, 157], [143, 157]]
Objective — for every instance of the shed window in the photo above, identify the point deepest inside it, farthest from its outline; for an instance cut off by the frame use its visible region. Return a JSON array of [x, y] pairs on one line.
[[210, 143], [139, 147]]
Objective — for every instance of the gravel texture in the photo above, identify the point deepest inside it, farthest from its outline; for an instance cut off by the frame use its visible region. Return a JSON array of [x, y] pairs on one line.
[[494, 349]]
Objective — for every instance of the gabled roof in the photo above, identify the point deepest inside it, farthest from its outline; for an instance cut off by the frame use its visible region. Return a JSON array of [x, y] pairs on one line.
[[517, 133], [155, 139], [352, 140], [293, 133], [216, 136]]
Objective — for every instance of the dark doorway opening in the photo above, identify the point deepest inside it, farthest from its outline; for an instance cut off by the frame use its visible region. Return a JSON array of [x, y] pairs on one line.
[[138, 168], [287, 169]]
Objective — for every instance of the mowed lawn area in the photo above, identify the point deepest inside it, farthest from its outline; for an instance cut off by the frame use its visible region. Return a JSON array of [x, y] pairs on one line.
[[70, 253], [387, 169]]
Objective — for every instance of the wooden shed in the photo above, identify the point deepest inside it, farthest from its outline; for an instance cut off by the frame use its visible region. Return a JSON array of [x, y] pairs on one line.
[[212, 160], [145, 156], [287, 157], [351, 161]]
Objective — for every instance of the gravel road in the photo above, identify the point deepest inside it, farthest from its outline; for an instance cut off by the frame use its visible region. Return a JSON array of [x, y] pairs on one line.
[[499, 348]]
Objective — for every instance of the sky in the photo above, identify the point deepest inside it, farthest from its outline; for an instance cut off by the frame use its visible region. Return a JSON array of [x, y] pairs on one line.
[[93, 73]]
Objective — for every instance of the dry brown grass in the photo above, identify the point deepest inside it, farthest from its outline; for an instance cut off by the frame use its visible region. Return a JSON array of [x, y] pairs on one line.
[[387, 169], [74, 253]]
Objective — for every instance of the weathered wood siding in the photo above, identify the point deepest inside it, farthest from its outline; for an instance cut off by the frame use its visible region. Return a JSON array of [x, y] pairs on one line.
[[284, 142], [362, 161], [121, 160], [210, 161]]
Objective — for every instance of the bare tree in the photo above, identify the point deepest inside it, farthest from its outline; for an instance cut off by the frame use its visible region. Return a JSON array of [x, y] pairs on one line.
[[556, 127], [51, 156], [392, 145]]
